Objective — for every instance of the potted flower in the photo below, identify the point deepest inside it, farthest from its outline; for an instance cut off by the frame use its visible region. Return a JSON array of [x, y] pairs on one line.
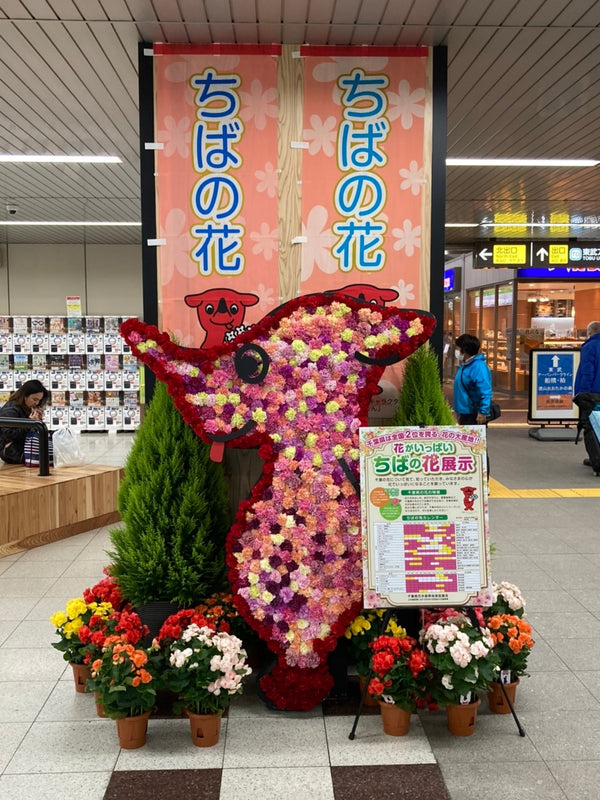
[[125, 680], [464, 661], [361, 633], [400, 682], [94, 635], [506, 599], [512, 644], [205, 668], [106, 590], [68, 623]]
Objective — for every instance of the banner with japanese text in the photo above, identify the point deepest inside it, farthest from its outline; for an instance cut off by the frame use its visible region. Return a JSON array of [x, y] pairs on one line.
[[425, 521], [216, 132], [363, 171]]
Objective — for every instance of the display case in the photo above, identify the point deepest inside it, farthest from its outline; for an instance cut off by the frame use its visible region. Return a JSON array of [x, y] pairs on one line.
[[93, 378]]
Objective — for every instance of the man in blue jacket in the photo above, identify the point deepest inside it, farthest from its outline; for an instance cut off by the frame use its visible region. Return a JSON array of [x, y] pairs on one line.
[[587, 378], [472, 384]]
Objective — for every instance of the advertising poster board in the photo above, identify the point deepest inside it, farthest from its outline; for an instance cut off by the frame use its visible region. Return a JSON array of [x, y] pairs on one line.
[[551, 386], [425, 516]]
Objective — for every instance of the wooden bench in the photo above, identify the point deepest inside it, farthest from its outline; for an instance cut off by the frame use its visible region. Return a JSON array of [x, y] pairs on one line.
[[35, 509]]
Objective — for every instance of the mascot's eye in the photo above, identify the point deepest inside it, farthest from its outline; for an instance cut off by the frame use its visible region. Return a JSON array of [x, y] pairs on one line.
[[252, 363], [234, 308], [210, 309]]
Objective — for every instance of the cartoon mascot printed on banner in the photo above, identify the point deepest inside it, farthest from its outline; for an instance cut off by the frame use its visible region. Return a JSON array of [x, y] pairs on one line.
[[297, 385]]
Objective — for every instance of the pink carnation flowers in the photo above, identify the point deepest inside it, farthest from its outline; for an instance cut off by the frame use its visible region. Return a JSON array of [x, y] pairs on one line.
[[297, 385]]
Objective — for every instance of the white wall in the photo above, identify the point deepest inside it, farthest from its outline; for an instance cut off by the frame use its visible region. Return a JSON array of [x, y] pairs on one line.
[[36, 279]]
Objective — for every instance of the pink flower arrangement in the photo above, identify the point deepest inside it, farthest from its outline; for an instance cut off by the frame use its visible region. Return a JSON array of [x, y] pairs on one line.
[[298, 386]]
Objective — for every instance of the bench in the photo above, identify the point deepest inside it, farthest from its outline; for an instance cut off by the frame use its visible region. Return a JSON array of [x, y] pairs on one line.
[[37, 509]]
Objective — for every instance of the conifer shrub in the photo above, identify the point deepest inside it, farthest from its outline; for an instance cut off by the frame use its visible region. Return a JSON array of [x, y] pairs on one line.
[[174, 505], [421, 400]]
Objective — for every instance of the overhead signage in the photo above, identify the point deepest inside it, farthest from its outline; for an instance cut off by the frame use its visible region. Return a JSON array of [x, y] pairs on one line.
[[560, 273], [552, 380], [505, 254], [424, 516], [542, 259], [565, 254]]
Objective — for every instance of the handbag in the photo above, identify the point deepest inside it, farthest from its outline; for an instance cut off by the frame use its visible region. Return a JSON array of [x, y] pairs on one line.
[[31, 449], [495, 411]]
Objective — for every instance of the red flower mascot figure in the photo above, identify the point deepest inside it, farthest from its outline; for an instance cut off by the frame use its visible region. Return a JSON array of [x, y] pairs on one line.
[[297, 385]]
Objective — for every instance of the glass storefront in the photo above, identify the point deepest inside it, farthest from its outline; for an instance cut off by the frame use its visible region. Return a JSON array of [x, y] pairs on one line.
[[513, 318]]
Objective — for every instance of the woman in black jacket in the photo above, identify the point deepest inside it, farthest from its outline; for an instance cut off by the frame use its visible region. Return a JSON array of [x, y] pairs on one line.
[[28, 402]]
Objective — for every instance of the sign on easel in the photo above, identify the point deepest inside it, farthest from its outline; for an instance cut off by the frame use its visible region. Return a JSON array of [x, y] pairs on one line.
[[425, 516]]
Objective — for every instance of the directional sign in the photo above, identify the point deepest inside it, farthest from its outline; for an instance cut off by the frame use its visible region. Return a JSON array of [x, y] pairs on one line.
[[552, 377], [565, 254], [505, 254]]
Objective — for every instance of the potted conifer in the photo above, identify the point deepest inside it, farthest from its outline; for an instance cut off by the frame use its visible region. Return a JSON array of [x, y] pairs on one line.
[[421, 400], [170, 552]]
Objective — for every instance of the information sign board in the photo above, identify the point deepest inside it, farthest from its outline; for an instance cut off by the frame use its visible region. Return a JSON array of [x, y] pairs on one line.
[[502, 254], [551, 385], [565, 254], [424, 516]]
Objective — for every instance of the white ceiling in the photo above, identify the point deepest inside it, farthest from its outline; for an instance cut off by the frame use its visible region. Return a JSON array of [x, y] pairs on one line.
[[523, 80]]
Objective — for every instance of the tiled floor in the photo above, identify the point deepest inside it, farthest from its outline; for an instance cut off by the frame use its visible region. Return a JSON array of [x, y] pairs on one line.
[[53, 744]]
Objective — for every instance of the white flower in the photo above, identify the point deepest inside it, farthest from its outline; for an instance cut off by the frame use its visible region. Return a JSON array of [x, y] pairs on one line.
[[479, 650], [175, 254], [412, 178], [267, 180], [461, 655], [447, 681], [405, 292], [408, 238], [257, 104], [176, 137], [320, 240], [178, 658], [322, 135], [266, 241], [406, 104]]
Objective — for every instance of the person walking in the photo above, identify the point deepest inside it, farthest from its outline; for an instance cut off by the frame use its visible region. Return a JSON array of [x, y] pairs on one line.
[[587, 381], [472, 384]]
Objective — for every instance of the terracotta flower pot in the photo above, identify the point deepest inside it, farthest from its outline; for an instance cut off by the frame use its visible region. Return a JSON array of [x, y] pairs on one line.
[[132, 731], [497, 700], [81, 672], [462, 718], [205, 728], [99, 706], [396, 721]]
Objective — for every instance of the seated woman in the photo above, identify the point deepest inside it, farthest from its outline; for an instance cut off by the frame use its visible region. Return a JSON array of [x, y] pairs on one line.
[[28, 402]]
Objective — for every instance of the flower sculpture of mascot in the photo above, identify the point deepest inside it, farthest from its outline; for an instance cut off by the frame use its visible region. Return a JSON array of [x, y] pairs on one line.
[[297, 385]]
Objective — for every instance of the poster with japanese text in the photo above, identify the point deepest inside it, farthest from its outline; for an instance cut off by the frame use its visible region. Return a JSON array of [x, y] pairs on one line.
[[216, 132], [425, 516], [364, 169]]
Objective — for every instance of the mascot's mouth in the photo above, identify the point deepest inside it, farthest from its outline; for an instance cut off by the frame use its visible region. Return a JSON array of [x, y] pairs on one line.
[[218, 440]]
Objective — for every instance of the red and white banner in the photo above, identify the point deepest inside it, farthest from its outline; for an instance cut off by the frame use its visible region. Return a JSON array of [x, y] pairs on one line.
[[216, 129], [363, 171]]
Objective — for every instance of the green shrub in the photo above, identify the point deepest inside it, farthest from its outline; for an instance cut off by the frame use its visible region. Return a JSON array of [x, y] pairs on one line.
[[174, 505], [422, 400]]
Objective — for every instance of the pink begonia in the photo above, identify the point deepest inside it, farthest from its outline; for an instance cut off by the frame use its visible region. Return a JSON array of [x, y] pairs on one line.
[[461, 655]]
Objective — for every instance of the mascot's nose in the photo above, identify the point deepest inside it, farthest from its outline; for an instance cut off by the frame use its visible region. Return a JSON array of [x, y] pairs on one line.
[[222, 307]]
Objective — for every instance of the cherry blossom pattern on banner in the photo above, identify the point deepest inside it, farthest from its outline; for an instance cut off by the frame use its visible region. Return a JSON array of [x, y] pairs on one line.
[[297, 385]]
